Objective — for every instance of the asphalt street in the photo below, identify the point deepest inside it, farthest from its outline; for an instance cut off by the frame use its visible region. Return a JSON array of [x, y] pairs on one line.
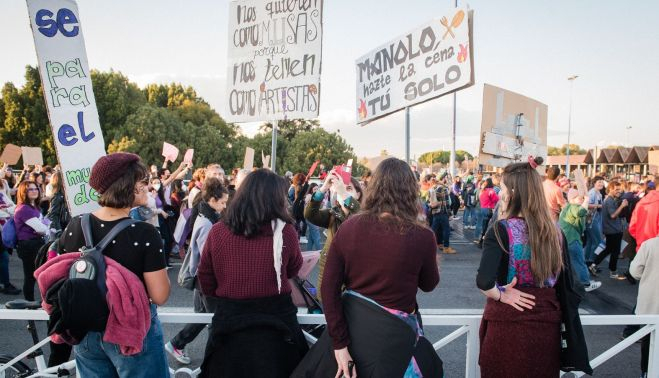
[[456, 294]]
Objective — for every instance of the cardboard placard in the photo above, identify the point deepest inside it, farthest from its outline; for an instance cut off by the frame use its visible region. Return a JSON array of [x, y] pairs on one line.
[[169, 152], [11, 154], [274, 60], [67, 88], [265, 160], [513, 127], [248, 163], [580, 179], [32, 155], [312, 169], [189, 154], [430, 61]]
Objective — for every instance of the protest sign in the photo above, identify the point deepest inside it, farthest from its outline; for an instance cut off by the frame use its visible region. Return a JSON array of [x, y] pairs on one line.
[[274, 60], [187, 158], [312, 169], [32, 155], [67, 88], [11, 154], [169, 152], [343, 173], [265, 159], [248, 163], [513, 127], [582, 184], [429, 61]]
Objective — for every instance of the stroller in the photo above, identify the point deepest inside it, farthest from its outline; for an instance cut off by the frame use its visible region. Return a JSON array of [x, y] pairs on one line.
[[304, 292]]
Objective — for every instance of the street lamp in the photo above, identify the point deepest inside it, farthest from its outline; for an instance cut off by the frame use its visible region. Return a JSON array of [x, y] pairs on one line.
[[571, 79], [628, 128]]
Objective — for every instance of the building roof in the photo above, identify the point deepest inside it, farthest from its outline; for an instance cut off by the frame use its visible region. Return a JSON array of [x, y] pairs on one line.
[[561, 159], [620, 155]]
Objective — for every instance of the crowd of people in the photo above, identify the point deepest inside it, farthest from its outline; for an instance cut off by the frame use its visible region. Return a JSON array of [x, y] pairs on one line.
[[239, 236]]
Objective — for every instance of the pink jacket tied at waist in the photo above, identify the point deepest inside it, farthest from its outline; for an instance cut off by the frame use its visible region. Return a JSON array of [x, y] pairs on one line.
[[130, 314]]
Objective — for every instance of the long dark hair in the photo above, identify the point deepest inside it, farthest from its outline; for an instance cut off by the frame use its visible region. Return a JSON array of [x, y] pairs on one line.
[[393, 190], [261, 198], [525, 197]]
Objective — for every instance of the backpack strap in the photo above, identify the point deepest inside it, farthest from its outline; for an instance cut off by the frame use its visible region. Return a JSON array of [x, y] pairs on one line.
[[114, 232], [86, 226]]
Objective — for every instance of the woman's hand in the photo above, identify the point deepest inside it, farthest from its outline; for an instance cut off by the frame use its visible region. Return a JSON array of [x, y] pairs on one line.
[[329, 180], [344, 360], [518, 299]]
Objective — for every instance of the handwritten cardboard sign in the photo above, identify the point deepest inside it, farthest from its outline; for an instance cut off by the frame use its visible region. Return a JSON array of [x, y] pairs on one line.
[[274, 60], [265, 160], [169, 152], [32, 155], [580, 179], [189, 154], [67, 87], [11, 154], [248, 163], [430, 61]]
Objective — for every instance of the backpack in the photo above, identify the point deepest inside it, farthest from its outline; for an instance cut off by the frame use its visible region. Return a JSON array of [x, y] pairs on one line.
[[9, 236], [91, 264], [185, 279]]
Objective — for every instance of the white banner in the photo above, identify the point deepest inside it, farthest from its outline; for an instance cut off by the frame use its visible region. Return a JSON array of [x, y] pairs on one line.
[[430, 61], [68, 91], [274, 60]]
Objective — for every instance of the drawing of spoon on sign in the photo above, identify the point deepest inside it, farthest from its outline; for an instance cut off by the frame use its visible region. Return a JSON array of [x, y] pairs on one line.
[[455, 22]]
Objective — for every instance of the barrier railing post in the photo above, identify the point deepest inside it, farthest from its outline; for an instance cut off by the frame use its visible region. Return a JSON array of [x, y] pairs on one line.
[[653, 355], [472, 370]]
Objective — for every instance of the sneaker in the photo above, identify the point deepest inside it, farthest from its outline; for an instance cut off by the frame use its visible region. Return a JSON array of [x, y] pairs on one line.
[[10, 289], [449, 250], [178, 354], [614, 275], [304, 240], [592, 268], [456, 217], [593, 285]]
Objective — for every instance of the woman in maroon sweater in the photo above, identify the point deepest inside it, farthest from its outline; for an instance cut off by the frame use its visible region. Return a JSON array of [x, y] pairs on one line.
[[246, 263], [383, 254]]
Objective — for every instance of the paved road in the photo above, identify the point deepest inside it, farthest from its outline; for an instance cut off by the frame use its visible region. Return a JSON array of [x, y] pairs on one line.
[[457, 290]]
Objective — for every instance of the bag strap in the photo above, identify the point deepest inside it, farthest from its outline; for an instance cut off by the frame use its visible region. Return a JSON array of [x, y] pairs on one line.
[[87, 232]]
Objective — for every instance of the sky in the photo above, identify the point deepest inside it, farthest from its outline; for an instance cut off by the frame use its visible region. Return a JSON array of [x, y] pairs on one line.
[[530, 47]]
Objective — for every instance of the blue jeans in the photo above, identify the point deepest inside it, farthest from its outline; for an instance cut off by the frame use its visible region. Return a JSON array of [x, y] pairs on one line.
[[479, 222], [441, 227], [4, 268], [593, 237], [97, 358], [313, 238], [468, 218], [578, 263]]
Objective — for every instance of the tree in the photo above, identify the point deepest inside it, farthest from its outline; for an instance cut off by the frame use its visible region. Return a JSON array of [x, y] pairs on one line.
[[560, 151], [306, 147], [200, 113], [116, 99], [444, 157], [171, 95], [288, 129]]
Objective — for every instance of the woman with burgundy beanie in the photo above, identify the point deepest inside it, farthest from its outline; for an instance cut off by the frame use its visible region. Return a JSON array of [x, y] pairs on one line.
[[121, 181]]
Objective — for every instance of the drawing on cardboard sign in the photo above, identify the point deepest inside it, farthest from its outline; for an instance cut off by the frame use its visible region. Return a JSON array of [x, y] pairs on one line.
[[513, 127]]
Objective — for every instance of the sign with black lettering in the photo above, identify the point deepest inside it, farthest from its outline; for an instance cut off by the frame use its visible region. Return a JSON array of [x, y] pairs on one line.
[[428, 62], [274, 60], [67, 89]]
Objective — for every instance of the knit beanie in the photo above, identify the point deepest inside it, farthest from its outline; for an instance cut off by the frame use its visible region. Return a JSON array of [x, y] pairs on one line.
[[109, 169]]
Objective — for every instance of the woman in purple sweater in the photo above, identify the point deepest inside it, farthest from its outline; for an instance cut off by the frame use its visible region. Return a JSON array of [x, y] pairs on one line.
[[383, 255], [30, 231]]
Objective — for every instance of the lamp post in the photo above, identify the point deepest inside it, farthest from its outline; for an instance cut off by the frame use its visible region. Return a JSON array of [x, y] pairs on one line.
[[571, 79], [628, 128]]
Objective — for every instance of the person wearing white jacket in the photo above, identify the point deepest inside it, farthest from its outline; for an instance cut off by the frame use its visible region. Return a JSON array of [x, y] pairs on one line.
[[7, 208], [645, 267], [214, 200]]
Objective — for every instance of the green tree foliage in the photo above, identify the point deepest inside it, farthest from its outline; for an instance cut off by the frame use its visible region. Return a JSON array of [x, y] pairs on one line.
[[25, 119], [444, 157], [306, 147], [288, 129], [116, 99], [575, 149]]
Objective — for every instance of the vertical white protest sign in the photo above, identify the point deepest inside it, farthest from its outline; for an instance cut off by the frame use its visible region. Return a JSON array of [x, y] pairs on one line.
[[69, 96]]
